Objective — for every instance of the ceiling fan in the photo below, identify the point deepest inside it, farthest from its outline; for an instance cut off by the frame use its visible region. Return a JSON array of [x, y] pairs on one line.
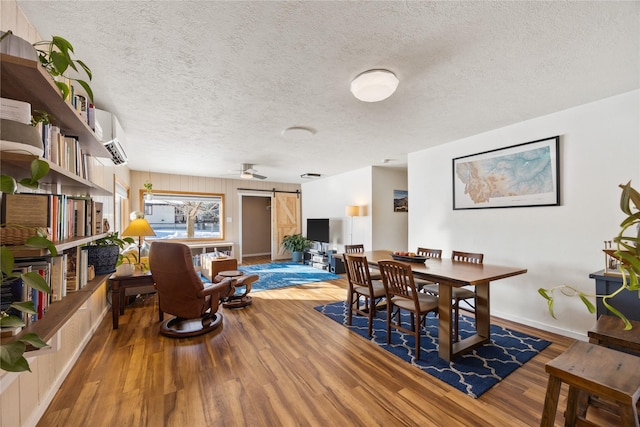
[[248, 172]]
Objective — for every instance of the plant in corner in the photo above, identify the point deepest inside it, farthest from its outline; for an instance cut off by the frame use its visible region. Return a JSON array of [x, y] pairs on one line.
[[627, 253], [296, 244], [12, 354]]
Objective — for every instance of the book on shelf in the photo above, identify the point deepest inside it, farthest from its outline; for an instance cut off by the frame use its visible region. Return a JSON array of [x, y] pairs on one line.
[[73, 283], [12, 291], [10, 331], [58, 277], [41, 300], [17, 111], [97, 217]]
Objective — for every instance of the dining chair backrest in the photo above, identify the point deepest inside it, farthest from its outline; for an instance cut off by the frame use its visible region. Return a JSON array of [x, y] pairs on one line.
[[354, 249], [357, 270], [397, 278], [430, 253], [474, 258]]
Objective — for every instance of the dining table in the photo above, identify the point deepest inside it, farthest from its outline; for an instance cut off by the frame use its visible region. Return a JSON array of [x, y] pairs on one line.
[[449, 274]]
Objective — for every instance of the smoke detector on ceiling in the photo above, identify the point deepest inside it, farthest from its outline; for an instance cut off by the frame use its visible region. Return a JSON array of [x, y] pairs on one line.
[[310, 175], [298, 133]]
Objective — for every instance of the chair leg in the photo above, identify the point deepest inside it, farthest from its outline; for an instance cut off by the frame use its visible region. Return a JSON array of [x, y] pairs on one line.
[[416, 330], [372, 312], [350, 309], [456, 311], [389, 308]]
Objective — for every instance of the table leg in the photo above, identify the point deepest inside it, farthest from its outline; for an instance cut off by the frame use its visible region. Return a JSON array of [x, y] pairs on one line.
[[483, 318], [445, 342], [115, 306]]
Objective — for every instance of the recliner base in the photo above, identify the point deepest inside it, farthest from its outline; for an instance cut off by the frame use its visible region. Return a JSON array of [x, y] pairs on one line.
[[181, 328]]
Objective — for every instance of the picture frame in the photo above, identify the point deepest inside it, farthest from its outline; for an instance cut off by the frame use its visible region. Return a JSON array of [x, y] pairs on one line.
[[400, 201], [522, 175]]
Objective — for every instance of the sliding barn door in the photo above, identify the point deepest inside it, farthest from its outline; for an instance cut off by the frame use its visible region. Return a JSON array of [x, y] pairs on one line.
[[286, 221]]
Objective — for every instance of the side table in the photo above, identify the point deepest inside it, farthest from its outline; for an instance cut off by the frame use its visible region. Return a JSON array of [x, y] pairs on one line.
[[119, 285], [236, 301]]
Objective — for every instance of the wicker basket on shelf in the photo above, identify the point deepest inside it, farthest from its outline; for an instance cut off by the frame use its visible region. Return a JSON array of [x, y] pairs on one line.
[[17, 235]]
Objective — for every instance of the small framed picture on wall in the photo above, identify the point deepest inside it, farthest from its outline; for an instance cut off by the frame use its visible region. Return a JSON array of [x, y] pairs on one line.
[[400, 201]]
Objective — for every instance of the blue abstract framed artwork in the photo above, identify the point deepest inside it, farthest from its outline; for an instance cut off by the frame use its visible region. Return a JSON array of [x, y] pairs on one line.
[[521, 175]]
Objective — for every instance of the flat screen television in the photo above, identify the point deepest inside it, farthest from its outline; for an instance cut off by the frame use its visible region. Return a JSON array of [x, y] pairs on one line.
[[318, 229]]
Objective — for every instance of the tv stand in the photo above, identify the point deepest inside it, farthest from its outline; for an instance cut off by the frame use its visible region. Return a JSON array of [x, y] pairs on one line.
[[319, 257]]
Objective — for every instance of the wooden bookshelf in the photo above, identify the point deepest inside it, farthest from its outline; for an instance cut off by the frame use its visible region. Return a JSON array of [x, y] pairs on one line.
[[60, 312], [25, 80], [22, 251], [17, 164]]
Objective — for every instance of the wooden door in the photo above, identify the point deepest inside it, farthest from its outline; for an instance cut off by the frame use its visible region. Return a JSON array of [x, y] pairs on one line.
[[286, 220]]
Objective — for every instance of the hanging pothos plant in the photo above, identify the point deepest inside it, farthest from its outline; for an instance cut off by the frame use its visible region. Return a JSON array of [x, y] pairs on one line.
[[627, 253], [12, 354], [55, 56]]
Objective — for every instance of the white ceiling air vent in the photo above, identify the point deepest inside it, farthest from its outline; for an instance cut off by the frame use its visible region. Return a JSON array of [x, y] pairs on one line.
[[109, 130]]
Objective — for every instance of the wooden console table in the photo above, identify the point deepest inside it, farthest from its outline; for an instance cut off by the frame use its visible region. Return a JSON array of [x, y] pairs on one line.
[[119, 285]]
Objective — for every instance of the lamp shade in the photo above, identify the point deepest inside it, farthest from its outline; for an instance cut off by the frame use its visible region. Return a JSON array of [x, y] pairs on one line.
[[139, 227], [374, 85], [352, 211]]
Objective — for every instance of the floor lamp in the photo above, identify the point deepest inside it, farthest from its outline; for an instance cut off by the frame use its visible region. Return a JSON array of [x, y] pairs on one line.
[[352, 211]]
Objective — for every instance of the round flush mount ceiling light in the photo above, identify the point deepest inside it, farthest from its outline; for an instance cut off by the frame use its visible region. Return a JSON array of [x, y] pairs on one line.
[[298, 133], [374, 85]]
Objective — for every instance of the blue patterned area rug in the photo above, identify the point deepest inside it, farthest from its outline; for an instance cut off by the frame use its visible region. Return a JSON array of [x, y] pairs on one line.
[[283, 274], [472, 373]]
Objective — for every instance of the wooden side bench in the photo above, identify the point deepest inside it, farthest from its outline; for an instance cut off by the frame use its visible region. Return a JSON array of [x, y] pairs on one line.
[[592, 369], [609, 332]]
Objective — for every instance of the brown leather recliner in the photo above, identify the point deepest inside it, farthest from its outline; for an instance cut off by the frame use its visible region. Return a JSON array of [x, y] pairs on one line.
[[182, 293]]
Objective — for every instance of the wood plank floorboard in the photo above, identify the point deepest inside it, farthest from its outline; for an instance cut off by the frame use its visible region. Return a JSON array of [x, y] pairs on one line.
[[280, 363]]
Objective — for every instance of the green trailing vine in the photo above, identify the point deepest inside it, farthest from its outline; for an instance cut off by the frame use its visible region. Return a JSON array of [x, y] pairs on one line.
[[627, 252], [12, 354]]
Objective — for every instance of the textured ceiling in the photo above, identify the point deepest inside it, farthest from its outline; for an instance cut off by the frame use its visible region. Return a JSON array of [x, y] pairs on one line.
[[201, 87]]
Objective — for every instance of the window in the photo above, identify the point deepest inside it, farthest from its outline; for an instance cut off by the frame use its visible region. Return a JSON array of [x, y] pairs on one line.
[[182, 215], [121, 211]]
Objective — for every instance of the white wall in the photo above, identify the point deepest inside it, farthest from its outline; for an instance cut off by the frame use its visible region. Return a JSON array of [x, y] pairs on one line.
[[390, 229], [599, 149], [371, 188], [328, 198]]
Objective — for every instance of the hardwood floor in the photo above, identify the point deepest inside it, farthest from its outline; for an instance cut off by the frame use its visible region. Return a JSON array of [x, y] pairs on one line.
[[279, 363]]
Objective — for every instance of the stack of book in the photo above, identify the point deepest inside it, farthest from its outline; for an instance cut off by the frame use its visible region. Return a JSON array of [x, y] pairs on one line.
[[64, 216]]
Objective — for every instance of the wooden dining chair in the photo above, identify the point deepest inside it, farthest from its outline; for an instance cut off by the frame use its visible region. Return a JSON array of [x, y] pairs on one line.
[[430, 253], [361, 286], [427, 285], [463, 294], [353, 249], [458, 295], [402, 294], [358, 249]]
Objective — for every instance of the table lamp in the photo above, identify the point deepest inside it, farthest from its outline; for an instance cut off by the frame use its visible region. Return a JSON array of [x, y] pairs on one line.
[[141, 228]]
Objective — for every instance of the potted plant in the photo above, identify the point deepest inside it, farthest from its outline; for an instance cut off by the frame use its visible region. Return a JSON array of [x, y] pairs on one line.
[[103, 253], [148, 186], [11, 354], [126, 264], [296, 244], [627, 254], [55, 56]]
